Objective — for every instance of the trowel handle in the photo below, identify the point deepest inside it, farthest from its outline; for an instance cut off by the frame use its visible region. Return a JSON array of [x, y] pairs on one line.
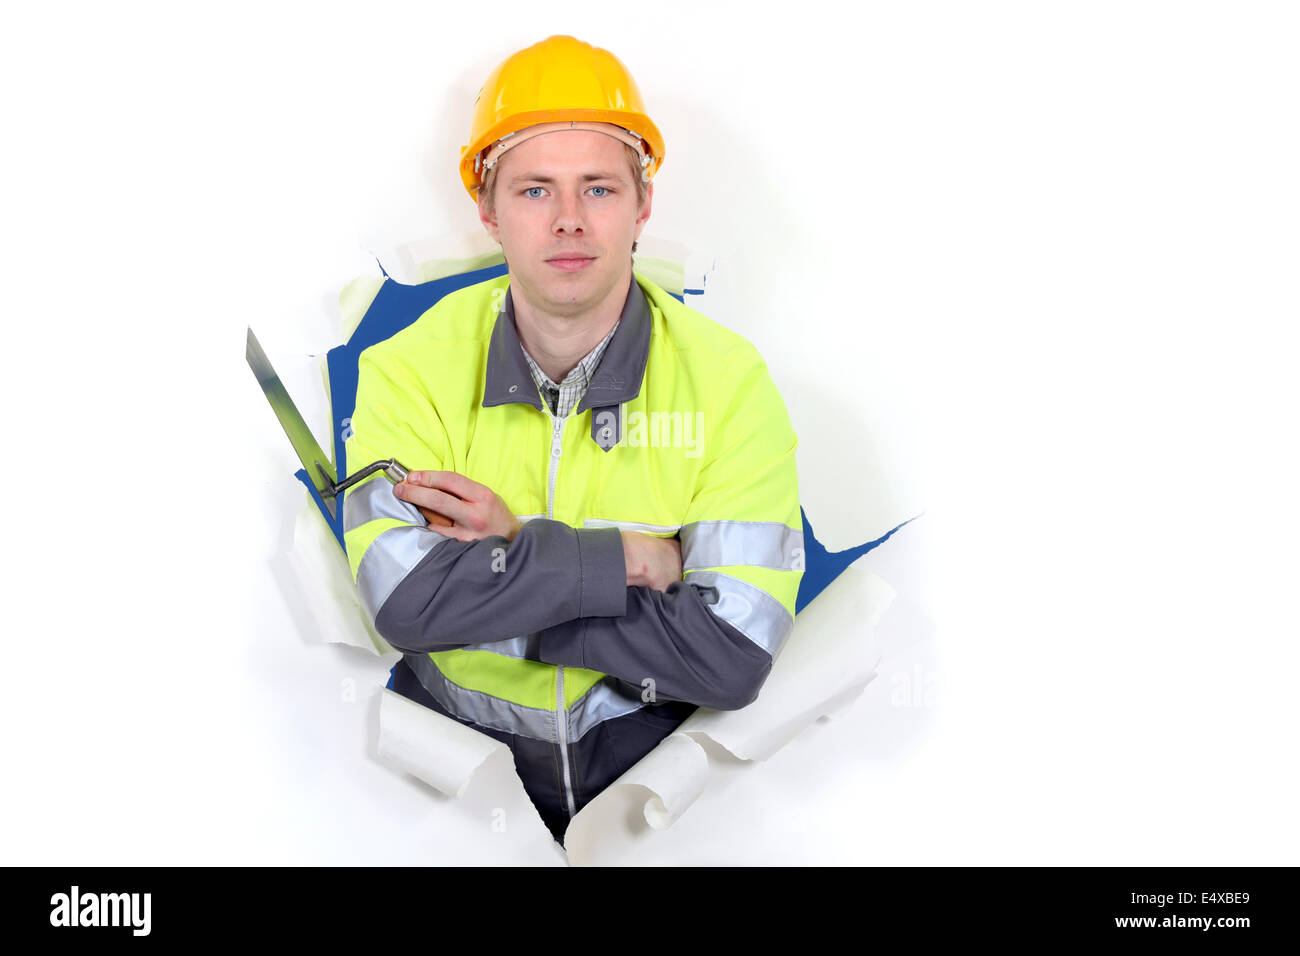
[[398, 472]]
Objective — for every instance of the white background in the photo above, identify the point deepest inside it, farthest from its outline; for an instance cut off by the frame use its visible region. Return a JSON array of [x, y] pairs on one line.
[[1030, 267]]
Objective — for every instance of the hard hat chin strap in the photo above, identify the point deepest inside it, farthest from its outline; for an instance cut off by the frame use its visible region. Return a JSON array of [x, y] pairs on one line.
[[492, 155]]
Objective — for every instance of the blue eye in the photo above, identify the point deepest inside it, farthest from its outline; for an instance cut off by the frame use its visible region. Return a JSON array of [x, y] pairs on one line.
[[529, 190], [602, 195]]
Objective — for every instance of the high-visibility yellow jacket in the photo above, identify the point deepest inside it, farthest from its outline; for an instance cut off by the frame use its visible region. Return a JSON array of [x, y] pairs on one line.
[[539, 641]]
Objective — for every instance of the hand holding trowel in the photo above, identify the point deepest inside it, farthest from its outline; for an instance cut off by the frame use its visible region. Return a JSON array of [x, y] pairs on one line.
[[317, 463]]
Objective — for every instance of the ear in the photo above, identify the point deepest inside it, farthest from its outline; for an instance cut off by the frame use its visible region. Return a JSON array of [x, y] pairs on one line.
[[645, 211], [489, 222]]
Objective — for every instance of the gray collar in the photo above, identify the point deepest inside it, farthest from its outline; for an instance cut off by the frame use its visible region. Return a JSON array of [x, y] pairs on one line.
[[618, 376]]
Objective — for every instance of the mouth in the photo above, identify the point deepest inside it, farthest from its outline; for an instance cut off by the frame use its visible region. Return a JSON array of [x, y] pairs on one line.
[[574, 264]]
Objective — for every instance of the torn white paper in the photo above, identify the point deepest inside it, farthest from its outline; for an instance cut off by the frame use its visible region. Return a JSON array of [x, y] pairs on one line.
[[830, 657], [324, 582], [828, 660], [471, 768]]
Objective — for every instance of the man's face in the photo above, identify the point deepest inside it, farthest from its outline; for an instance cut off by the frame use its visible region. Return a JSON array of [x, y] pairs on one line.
[[566, 215]]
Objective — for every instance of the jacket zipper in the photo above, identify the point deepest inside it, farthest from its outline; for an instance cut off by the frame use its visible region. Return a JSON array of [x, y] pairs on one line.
[[562, 712]]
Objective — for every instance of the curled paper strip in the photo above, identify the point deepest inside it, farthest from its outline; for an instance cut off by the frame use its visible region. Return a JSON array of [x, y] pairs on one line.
[[829, 659], [442, 753], [473, 770]]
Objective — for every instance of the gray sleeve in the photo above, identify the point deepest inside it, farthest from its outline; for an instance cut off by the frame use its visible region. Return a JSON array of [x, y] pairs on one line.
[[426, 592], [674, 638], [473, 592]]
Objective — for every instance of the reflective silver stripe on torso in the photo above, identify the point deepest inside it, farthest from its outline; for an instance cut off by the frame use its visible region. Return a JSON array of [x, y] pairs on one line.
[[607, 699], [630, 525], [758, 544], [516, 647], [481, 708], [749, 609]]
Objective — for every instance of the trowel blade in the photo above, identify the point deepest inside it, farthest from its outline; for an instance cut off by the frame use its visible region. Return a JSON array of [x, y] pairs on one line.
[[304, 443]]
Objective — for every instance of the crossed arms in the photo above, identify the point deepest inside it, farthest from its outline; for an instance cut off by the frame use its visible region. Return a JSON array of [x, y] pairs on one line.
[[703, 615]]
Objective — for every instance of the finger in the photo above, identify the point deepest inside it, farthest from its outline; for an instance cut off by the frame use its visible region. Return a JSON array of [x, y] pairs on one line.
[[452, 531], [434, 518], [452, 482], [439, 501]]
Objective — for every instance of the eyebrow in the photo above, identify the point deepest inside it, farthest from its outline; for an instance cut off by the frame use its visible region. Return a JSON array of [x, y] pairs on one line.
[[586, 178]]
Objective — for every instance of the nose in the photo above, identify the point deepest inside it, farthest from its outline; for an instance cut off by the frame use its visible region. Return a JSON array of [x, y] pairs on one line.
[[568, 215]]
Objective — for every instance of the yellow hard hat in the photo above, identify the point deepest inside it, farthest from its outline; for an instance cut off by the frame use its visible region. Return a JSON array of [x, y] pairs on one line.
[[558, 83]]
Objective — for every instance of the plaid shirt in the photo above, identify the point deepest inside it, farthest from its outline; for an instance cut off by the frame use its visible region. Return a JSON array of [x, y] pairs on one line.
[[564, 398]]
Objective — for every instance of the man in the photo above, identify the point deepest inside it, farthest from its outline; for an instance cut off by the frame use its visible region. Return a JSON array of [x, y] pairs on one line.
[[601, 528]]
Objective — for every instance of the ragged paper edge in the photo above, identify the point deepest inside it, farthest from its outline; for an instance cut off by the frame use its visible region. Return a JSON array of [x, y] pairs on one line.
[[406, 741], [826, 664], [326, 586], [827, 653], [473, 770], [821, 672], [654, 793]]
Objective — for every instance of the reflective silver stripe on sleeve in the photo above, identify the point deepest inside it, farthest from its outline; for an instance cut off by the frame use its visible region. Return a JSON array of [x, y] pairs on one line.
[[389, 559], [374, 499], [749, 609], [724, 544]]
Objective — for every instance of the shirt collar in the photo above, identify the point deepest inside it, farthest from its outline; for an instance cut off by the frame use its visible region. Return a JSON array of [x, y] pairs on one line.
[[580, 373], [617, 378]]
